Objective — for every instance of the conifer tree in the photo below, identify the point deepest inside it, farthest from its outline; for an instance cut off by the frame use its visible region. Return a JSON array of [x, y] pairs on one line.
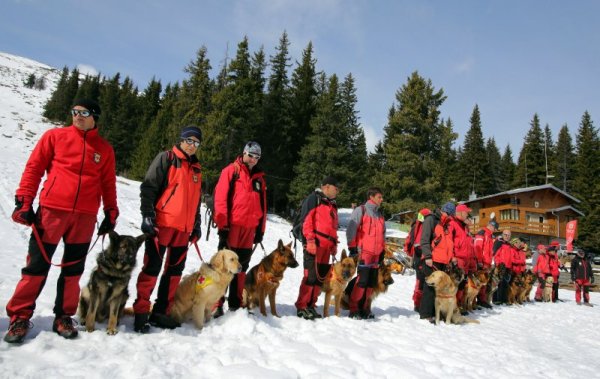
[[411, 141], [549, 155], [109, 104], [69, 96], [445, 169], [89, 88], [196, 90], [494, 160], [473, 165], [126, 122], [30, 81], [531, 167], [564, 160], [508, 168], [53, 108]]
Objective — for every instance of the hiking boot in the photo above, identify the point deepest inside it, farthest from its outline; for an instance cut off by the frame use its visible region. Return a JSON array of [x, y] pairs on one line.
[[416, 309], [64, 326], [305, 314], [463, 312], [314, 312], [161, 320], [485, 305], [588, 304], [140, 323], [218, 312], [367, 315], [579, 303], [17, 330], [356, 315]]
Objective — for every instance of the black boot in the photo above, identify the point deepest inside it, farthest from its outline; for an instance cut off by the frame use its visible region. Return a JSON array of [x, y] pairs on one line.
[[163, 321], [140, 324]]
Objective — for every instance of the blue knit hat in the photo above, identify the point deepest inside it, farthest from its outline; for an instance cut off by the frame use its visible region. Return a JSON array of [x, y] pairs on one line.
[[449, 208], [191, 131]]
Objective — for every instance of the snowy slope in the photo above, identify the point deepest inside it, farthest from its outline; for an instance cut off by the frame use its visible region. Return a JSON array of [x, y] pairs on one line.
[[535, 341]]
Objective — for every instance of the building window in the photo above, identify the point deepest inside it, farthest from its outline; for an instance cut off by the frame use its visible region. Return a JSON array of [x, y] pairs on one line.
[[535, 217], [509, 214]]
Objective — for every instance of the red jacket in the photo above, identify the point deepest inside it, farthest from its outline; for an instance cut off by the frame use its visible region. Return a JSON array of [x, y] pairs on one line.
[[366, 229], [79, 167], [542, 266], [554, 265], [463, 246], [504, 254], [321, 222], [483, 244], [248, 206], [172, 189], [518, 260], [442, 245]]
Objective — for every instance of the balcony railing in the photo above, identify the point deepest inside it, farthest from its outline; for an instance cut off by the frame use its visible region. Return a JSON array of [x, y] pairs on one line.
[[544, 229]]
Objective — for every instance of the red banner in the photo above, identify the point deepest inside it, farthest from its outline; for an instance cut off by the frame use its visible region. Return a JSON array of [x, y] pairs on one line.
[[570, 234]]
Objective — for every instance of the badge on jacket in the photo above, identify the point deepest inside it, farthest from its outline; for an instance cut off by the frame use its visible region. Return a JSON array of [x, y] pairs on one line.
[[257, 185], [97, 157], [195, 178]]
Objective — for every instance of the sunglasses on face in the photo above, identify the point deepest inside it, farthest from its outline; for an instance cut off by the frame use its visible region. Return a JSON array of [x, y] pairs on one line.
[[80, 112], [253, 156], [190, 141]]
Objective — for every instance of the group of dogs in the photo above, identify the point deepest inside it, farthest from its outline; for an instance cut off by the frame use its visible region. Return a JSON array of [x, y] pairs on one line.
[[106, 293], [446, 284]]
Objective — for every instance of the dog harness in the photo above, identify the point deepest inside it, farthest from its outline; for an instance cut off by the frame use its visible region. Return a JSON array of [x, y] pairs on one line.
[[203, 282]]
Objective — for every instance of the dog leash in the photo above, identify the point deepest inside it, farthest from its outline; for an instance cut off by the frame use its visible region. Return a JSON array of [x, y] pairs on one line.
[[45, 254], [198, 251]]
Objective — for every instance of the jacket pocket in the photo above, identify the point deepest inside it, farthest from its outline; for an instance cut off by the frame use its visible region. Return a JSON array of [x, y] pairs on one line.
[[47, 191], [170, 196]]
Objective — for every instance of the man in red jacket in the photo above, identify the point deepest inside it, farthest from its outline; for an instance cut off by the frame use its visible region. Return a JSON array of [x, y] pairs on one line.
[[241, 214], [319, 231], [483, 244], [541, 270], [503, 255], [80, 170], [170, 204], [463, 246]]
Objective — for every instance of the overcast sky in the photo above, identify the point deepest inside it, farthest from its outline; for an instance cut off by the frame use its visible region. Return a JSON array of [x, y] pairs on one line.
[[512, 58]]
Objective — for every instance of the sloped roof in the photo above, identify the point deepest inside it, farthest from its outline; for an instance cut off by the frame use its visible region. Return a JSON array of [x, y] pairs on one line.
[[564, 208], [527, 189]]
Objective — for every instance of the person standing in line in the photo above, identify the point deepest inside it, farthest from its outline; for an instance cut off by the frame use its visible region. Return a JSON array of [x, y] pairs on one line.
[[366, 239], [483, 244], [80, 171], [582, 277], [240, 215], [170, 205], [319, 231]]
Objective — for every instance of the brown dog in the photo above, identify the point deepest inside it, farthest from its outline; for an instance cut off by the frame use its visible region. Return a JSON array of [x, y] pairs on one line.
[[547, 292], [514, 289], [263, 279], [529, 279], [198, 292], [337, 281], [384, 280], [492, 286], [445, 299], [475, 282]]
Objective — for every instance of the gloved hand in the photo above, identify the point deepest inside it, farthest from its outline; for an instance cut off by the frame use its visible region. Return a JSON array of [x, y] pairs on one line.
[[311, 247], [353, 252], [23, 213], [196, 235], [148, 226], [429, 262], [223, 235], [258, 237], [109, 222]]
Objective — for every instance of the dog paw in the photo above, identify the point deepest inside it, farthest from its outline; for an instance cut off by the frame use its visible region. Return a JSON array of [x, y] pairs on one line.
[[89, 329], [111, 332]]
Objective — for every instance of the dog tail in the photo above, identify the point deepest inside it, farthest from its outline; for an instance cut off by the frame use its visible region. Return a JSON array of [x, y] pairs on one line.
[[244, 298], [128, 311]]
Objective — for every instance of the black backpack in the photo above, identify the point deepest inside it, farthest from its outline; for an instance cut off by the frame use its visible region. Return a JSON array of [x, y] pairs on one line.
[[300, 215]]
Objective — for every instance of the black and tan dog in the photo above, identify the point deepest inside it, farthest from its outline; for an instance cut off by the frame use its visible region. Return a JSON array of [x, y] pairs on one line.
[[384, 280], [496, 274], [263, 279], [515, 287], [529, 279], [337, 281], [106, 292]]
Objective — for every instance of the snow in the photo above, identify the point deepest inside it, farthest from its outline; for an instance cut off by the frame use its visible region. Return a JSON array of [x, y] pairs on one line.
[[537, 340]]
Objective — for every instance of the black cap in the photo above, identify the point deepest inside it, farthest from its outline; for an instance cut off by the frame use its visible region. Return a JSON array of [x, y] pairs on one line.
[[329, 180], [90, 105], [191, 131]]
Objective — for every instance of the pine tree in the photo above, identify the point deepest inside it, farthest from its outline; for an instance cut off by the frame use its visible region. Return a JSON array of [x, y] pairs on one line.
[[473, 166], [564, 160], [126, 122], [53, 108], [446, 161], [89, 88], [550, 155], [531, 167], [411, 141], [494, 161], [69, 96], [30, 81], [508, 168], [196, 91]]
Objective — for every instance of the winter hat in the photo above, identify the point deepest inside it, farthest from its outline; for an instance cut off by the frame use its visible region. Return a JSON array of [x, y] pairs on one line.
[[252, 148], [515, 241], [329, 180], [494, 223], [580, 253], [449, 208], [90, 105], [541, 247], [191, 131], [463, 208]]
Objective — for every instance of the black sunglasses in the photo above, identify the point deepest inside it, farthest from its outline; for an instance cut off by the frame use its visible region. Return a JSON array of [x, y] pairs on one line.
[[190, 141], [253, 156], [80, 112]]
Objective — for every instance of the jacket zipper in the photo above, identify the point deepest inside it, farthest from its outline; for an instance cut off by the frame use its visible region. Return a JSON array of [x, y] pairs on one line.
[[170, 196], [80, 170]]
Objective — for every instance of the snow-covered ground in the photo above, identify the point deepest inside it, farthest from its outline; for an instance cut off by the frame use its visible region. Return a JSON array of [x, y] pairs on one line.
[[535, 341]]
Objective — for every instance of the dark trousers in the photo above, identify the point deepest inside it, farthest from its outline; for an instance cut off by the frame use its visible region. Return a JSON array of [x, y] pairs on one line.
[[427, 307]]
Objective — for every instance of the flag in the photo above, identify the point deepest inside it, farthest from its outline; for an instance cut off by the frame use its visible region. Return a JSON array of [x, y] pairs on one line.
[[570, 234]]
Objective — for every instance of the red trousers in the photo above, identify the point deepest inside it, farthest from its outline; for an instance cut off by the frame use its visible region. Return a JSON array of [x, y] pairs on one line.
[[76, 230], [316, 268], [582, 285], [365, 279]]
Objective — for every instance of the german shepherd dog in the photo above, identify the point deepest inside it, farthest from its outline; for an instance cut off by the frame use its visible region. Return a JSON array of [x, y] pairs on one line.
[[529, 279], [475, 282], [263, 279], [337, 280], [497, 273], [106, 292], [514, 289], [384, 280]]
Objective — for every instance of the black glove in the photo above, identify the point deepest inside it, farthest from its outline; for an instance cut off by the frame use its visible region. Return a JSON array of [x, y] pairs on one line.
[[353, 252], [196, 235], [148, 226], [109, 222], [223, 235], [23, 213], [258, 237]]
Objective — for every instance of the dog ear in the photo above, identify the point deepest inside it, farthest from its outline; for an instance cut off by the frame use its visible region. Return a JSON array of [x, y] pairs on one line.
[[289, 245], [344, 255], [140, 239], [280, 246], [114, 237], [218, 260]]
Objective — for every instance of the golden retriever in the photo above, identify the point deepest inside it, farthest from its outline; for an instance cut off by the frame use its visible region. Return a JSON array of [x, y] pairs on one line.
[[547, 291], [337, 281], [445, 299], [198, 292]]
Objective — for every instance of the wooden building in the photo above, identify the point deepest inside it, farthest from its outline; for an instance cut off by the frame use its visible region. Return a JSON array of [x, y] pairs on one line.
[[536, 214]]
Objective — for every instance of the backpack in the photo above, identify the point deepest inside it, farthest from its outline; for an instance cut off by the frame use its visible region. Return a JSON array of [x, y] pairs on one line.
[[300, 215]]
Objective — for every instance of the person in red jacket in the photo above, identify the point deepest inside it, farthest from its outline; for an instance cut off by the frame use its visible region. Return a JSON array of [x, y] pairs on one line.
[[555, 266], [240, 215], [464, 252], [541, 270], [503, 256], [366, 239], [582, 276], [483, 245], [80, 171], [170, 205], [319, 231], [519, 256], [412, 247]]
